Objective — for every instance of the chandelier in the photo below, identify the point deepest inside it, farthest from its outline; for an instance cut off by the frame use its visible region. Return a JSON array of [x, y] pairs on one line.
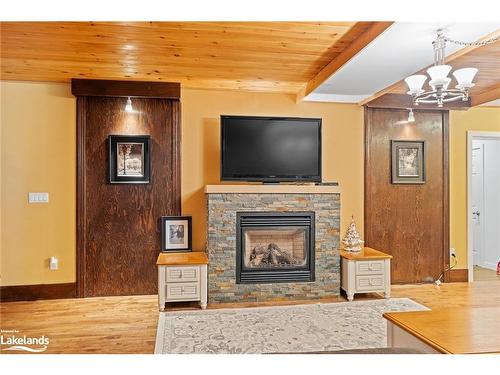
[[439, 80]]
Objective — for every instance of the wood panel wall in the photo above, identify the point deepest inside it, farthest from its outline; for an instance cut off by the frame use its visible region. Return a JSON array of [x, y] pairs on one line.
[[119, 235], [411, 222]]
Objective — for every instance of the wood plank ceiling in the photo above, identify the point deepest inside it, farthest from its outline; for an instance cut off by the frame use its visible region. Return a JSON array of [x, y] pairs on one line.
[[258, 56]]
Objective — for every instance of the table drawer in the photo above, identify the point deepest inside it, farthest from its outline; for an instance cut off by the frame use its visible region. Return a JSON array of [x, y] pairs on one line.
[[182, 274], [369, 267], [369, 283], [183, 291]]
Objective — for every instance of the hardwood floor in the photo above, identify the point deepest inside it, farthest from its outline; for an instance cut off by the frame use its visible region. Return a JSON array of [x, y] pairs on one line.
[[87, 325], [484, 274], [128, 324]]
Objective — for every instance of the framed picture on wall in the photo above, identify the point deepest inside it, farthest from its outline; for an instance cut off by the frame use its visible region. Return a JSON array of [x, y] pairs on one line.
[[408, 162], [129, 159], [176, 233]]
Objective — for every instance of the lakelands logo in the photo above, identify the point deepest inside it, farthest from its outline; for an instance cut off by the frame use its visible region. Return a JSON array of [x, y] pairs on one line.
[[11, 340]]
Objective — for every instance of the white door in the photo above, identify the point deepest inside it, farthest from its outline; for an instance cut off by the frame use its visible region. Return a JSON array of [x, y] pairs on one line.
[[490, 250], [477, 202]]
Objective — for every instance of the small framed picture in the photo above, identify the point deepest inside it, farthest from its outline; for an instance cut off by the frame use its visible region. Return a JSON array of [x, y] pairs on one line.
[[176, 233], [408, 162], [129, 159]]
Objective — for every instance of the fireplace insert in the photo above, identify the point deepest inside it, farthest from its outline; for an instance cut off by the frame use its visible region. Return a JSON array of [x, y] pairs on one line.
[[274, 247]]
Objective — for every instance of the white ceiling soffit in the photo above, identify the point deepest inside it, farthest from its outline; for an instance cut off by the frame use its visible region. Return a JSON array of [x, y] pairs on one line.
[[401, 50], [493, 103]]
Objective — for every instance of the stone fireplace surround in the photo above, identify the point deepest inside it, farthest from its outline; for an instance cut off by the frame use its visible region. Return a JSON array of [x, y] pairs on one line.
[[225, 201]]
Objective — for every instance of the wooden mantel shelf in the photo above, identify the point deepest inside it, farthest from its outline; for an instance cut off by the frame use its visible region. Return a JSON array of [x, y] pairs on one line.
[[271, 189]]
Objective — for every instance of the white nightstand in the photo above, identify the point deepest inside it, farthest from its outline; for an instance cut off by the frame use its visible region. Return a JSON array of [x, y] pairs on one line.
[[182, 277], [367, 271]]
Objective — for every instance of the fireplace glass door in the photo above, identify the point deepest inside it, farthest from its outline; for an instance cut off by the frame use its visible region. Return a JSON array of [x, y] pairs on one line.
[[266, 248], [274, 247]]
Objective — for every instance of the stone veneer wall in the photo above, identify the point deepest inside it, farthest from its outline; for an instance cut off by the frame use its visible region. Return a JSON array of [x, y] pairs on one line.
[[221, 246]]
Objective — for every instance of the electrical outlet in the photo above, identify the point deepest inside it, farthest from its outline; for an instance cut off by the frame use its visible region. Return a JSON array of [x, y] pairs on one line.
[[453, 252], [53, 263]]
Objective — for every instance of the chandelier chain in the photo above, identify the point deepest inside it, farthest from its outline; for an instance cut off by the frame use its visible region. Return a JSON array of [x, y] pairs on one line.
[[480, 43]]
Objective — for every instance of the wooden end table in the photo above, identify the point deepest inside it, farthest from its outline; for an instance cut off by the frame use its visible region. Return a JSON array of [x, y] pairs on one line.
[[457, 330], [367, 271], [182, 277]]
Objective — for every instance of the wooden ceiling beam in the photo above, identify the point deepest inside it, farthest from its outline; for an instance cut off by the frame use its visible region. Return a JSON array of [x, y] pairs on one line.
[[347, 54], [111, 88], [454, 56], [404, 101], [488, 95]]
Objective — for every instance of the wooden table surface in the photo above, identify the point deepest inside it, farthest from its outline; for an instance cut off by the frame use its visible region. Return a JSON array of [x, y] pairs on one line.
[[181, 259], [459, 330], [366, 253]]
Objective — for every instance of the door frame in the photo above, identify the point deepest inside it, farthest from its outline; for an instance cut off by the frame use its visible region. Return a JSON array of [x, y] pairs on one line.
[[473, 136]]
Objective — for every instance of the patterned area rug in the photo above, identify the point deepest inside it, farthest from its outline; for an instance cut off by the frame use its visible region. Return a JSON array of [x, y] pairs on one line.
[[299, 328]]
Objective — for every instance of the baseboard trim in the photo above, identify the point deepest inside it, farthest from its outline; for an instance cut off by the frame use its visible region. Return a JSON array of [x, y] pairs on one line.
[[489, 266], [457, 276], [36, 292]]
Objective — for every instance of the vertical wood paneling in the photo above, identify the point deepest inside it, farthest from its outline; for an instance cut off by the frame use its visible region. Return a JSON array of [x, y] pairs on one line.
[[120, 235], [408, 221]]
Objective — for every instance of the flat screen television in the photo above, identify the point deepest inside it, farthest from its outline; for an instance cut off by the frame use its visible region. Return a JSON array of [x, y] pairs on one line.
[[270, 149]]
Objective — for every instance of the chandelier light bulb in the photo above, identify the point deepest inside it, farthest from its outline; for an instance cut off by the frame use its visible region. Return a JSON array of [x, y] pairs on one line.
[[439, 71], [439, 76], [465, 77], [415, 83], [128, 106]]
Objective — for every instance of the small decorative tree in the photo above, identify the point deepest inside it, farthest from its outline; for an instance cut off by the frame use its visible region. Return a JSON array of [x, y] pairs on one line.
[[352, 241]]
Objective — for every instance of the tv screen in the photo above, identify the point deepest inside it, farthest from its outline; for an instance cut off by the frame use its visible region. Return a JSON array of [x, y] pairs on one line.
[[270, 149]]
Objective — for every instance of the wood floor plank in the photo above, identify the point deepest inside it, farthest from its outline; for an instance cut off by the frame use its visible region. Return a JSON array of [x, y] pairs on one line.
[[485, 274]]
